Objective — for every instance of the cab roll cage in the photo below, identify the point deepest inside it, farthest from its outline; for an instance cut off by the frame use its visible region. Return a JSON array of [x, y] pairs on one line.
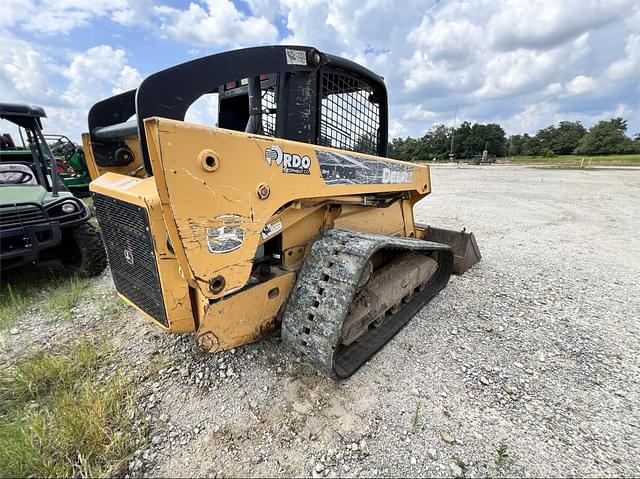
[[169, 94]]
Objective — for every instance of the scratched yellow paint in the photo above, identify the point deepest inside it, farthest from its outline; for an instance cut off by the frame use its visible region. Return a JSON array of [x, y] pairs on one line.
[[194, 199], [186, 198]]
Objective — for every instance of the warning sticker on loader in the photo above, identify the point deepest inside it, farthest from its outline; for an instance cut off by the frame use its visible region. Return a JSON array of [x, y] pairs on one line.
[[296, 57], [271, 229], [343, 169]]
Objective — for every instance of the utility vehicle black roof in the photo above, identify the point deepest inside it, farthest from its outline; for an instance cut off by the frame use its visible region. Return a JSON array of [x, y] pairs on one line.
[[10, 110]]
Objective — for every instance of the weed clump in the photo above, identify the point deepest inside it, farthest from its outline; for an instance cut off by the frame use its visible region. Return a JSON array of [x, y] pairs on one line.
[[56, 419]]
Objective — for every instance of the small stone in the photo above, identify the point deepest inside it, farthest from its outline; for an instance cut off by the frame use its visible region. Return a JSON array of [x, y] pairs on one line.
[[253, 404], [415, 392], [163, 417], [135, 465], [484, 380], [364, 447], [518, 365], [433, 454], [413, 461], [354, 446], [279, 370], [14, 331], [446, 437], [155, 440], [184, 372], [319, 467], [456, 471]]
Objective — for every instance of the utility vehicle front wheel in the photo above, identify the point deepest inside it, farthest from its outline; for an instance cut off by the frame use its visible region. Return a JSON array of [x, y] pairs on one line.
[[83, 251]]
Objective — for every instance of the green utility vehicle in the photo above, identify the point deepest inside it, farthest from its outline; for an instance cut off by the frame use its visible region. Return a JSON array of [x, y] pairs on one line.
[[70, 164], [40, 219], [69, 159]]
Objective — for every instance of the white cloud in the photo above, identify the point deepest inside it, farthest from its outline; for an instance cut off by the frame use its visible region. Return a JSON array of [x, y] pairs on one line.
[[452, 41], [549, 23], [52, 17], [128, 79], [204, 110], [219, 24], [97, 71], [28, 76], [24, 72], [416, 112], [581, 85], [523, 64]]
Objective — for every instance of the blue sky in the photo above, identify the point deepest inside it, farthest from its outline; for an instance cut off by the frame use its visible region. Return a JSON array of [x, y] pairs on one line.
[[524, 64]]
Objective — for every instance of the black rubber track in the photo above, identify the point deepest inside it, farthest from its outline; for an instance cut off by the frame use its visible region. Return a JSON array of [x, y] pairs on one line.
[[326, 286]]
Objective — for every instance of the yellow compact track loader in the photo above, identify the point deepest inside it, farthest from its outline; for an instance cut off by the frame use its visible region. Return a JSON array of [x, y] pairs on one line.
[[287, 212]]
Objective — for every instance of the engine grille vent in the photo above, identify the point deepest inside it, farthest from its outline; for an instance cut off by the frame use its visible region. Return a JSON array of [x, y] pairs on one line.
[[127, 237]]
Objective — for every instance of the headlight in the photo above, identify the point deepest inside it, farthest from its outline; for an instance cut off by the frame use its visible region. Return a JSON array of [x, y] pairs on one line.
[[68, 207]]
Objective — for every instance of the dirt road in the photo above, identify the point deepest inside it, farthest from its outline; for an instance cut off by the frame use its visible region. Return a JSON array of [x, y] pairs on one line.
[[525, 366]]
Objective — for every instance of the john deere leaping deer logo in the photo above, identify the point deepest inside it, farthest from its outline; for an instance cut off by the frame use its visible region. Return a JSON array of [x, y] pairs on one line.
[[291, 163]]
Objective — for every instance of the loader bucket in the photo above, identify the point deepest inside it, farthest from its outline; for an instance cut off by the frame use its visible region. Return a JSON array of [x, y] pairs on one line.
[[465, 248]]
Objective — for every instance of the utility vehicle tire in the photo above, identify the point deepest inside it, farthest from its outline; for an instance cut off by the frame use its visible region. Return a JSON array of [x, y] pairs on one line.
[[83, 250]]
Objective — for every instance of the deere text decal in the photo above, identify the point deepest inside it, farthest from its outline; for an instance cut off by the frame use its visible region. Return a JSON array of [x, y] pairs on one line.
[[343, 169]]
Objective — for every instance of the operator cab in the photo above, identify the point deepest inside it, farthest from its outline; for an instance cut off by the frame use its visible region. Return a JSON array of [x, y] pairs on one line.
[[294, 93]]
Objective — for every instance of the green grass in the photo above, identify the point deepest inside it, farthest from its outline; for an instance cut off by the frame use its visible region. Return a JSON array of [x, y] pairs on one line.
[[44, 288], [65, 297], [461, 464], [502, 454], [13, 302], [415, 422], [576, 160], [57, 419]]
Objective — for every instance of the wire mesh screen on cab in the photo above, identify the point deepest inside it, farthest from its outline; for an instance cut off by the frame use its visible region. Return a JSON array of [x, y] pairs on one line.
[[269, 111], [349, 117]]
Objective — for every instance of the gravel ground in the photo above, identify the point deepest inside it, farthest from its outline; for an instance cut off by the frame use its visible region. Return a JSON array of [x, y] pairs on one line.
[[527, 365]]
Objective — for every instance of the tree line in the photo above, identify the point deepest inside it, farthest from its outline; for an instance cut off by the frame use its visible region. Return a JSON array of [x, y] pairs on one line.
[[607, 137]]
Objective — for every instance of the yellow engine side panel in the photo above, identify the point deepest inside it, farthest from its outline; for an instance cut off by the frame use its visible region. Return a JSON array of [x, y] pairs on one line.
[[175, 289], [216, 183]]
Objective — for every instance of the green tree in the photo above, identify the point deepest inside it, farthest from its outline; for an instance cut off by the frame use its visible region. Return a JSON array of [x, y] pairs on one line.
[[367, 143], [436, 142], [567, 137], [563, 139], [606, 138], [532, 146], [471, 139], [517, 145], [408, 149]]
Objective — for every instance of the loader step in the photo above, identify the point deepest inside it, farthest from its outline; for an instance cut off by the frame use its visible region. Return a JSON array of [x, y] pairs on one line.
[[313, 320]]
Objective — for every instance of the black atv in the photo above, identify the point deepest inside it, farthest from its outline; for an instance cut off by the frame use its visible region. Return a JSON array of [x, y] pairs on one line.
[[40, 220]]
